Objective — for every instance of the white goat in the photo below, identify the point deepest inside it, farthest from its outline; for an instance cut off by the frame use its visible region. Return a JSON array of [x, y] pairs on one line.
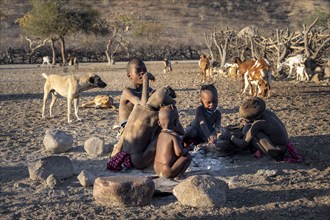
[[301, 72], [46, 60], [292, 62]]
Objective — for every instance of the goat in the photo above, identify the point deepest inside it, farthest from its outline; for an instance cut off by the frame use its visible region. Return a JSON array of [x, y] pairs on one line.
[[232, 70], [291, 62], [204, 67], [260, 75], [73, 61], [167, 65], [255, 72], [301, 72], [243, 67], [46, 60]]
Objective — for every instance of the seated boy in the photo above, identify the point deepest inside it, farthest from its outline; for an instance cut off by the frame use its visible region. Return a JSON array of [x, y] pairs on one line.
[[264, 130], [204, 128], [172, 159], [138, 141], [136, 70]]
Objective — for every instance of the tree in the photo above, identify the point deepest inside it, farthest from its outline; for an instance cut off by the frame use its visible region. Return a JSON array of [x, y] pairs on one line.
[[118, 25], [56, 19]]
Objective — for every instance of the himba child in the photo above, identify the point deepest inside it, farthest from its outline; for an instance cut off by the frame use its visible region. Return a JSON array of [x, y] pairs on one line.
[[207, 122], [264, 131], [136, 71], [171, 159]]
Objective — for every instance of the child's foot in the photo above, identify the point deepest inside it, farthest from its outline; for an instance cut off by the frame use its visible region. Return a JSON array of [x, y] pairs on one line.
[[238, 142]]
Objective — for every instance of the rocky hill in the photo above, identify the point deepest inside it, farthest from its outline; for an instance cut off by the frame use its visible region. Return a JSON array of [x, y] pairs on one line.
[[184, 21]]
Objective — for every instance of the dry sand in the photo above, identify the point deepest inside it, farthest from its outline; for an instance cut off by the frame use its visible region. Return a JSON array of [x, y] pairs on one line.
[[298, 191]]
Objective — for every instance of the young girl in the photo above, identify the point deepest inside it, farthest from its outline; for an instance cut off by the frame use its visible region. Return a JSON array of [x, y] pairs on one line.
[[172, 159], [204, 128]]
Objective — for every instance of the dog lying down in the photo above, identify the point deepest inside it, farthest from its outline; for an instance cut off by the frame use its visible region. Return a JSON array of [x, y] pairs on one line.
[[100, 102], [69, 87]]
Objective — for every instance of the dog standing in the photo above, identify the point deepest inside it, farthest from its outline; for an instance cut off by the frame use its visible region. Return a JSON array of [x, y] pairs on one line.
[[69, 87]]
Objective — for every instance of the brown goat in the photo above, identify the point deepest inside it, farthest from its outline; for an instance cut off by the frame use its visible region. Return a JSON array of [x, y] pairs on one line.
[[204, 66], [256, 73]]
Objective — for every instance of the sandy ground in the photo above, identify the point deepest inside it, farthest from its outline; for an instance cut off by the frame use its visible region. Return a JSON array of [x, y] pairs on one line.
[[297, 191]]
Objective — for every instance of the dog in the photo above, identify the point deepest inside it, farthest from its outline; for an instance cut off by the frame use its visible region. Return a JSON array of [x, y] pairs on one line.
[[69, 87], [100, 102]]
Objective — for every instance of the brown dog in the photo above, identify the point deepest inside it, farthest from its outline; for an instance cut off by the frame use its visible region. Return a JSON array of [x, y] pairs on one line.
[[100, 101], [69, 87]]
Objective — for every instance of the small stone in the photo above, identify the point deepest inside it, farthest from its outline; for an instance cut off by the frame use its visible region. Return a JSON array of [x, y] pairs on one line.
[[86, 178], [266, 173], [56, 141], [95, 146], [51, 181]]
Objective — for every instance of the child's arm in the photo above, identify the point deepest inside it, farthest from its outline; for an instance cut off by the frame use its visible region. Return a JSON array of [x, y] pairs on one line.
[[145, 89], [203, 126], [178, 148]]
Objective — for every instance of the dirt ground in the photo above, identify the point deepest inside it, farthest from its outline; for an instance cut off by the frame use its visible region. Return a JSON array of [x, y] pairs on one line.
[[295, 191]]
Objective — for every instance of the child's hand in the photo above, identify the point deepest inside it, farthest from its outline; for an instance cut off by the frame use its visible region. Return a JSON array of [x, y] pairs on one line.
[[150, 77], [212, 139]]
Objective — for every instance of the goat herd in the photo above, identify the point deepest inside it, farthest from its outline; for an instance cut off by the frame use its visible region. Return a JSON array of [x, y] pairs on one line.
[[255, 75]]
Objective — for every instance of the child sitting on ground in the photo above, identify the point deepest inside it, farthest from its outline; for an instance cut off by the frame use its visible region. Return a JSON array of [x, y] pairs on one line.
[[172, 159], [136, 70], [263, 130], [204, 128]]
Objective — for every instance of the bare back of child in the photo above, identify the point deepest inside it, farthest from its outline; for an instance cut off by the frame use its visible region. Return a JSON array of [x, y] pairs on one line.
[[139, 137], [172, 159]]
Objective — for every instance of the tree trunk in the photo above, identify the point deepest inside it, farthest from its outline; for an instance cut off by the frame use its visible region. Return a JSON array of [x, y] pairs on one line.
[[63, 50], [53, 51]]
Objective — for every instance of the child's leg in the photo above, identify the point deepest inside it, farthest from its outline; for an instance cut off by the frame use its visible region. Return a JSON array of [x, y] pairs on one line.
[[142, 160], [179, 167], [265, 144], [249, 131], [191, 136]]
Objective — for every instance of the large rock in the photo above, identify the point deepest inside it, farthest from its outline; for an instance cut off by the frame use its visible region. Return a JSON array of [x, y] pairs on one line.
[[123, 190], [94, 146], [56, 141], [59, 166], [201, 191]]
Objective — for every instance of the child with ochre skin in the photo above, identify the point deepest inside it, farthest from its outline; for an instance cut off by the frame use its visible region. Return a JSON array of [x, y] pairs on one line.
[[172, 159], [207, 122], [136, 70], [263, 130]]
